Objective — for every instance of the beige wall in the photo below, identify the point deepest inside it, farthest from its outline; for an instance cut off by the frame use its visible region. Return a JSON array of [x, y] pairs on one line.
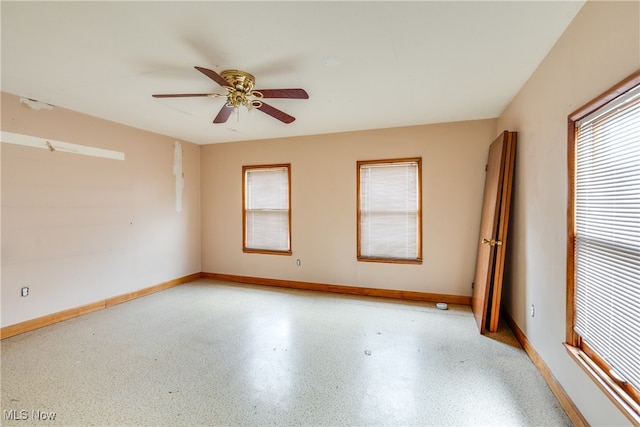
[[599, 48], [323, 186], [78, 229]]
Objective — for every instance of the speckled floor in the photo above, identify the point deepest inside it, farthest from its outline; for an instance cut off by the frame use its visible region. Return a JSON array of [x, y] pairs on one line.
[[212, 353]]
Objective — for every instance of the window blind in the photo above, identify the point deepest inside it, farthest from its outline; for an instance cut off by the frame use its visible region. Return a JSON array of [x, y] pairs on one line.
[[607, 237], [267, 209], [389, 210]]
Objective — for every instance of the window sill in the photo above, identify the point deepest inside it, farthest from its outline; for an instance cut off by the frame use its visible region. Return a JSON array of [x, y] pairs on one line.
[[266, 252], [613, 391], [390, 260]]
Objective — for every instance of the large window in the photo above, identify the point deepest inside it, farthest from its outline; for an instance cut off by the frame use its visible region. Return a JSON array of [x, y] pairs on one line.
[[389, 211], [603, 275], [266, 209]]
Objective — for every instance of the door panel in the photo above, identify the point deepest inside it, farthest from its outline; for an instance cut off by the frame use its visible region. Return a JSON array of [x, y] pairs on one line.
[[487, 289], [503, 227]]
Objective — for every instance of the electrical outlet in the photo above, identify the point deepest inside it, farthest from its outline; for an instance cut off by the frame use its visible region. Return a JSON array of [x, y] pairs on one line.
[[24, 291], [533, 310], [298, 262]]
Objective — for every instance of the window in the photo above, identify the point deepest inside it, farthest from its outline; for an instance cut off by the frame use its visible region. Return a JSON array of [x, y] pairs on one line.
[[266, 212], [603, 274], [389, 211]]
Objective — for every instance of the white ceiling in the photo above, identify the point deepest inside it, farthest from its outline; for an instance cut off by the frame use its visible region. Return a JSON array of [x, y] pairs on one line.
[[401, 63]]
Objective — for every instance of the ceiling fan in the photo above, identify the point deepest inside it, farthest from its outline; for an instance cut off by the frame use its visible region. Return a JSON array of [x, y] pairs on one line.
[[240, 92]]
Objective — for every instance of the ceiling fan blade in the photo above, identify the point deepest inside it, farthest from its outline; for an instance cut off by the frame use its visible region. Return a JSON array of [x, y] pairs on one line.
[[213, 76], [179, 95], [223, 115], [284, 93], [275, 113]]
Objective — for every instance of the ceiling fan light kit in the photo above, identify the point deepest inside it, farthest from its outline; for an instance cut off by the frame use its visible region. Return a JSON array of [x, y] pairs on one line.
[[239, 86]]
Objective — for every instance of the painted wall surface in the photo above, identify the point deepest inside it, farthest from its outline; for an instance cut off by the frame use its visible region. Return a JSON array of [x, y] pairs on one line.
[[323, 185], [78, 229], [599, 48]]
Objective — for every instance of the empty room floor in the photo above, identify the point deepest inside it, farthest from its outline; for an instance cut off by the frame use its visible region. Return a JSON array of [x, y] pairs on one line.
[[216, 353]]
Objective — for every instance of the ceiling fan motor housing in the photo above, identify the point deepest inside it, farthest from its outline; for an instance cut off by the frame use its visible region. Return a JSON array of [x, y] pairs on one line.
[[239, 80]]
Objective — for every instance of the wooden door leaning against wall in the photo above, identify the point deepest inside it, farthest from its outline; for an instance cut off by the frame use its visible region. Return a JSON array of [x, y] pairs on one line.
[[494, 223]]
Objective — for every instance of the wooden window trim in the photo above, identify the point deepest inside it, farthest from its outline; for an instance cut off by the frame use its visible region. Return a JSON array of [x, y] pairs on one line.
[[418, 259], [624, 396], [614, 390], [246, 249]]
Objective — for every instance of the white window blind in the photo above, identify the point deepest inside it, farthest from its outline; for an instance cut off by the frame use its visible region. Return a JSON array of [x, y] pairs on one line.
[[607, 238], [267, 208], [389, 210]]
